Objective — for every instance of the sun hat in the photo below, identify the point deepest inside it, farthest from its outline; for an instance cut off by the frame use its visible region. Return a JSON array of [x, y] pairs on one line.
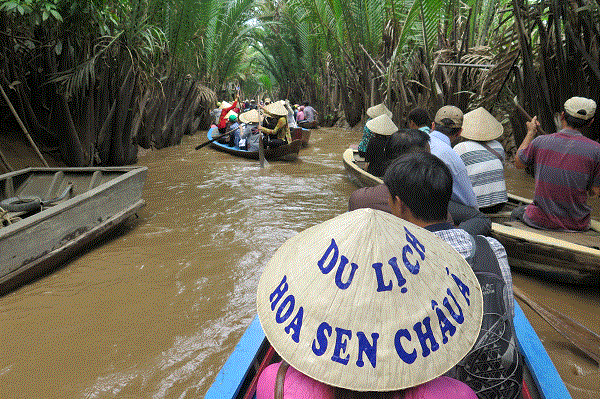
[[480, 125], [369, 302], [441, 387], [580, 107], [224, 105], [230, 113], [276, 108], [232, 117], [379, 109], [251, 116], [449, 116], [383, 125]]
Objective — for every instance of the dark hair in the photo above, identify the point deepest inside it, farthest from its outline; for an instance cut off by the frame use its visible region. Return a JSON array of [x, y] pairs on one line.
[[420, 117], [448, 131], [577, 123], [404, 141], [423, 182]]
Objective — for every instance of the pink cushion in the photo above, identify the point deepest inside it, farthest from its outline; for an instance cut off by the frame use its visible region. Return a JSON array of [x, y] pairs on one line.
[[295, 385], [441, 388]]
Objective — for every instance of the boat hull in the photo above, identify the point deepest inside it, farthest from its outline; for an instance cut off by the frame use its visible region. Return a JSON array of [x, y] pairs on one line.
[[102, 199], [286, 152]]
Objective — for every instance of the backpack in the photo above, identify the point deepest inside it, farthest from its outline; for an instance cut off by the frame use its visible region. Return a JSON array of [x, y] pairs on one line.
[[494, 367]]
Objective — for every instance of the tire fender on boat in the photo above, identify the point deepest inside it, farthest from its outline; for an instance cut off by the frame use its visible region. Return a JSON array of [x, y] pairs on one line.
[[21, 204]]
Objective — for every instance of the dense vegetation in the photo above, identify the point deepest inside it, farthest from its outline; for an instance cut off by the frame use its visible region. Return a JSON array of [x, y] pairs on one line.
[[94, 79]]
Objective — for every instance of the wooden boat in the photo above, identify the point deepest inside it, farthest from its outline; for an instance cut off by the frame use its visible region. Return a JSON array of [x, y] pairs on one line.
[[238, 377], [300, 133], [308, 125], [286, 152], [570, 257], [52, 213]]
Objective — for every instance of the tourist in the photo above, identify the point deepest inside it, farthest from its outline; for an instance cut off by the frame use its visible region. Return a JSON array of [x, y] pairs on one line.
[[420, 187], [234, 131], [300, 114], [280, 134], [310, 114], [372, 112], [400, 142], [367, 305], [250, 135], [483, 157], [225, 109], [463, 203], [418, 118], [382, 128], [567, 170]]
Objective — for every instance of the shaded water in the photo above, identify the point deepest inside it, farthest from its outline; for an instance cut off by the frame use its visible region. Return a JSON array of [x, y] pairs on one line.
[[155, 311]]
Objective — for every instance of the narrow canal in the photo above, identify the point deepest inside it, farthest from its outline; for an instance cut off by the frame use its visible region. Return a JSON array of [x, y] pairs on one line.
[[155, 311]]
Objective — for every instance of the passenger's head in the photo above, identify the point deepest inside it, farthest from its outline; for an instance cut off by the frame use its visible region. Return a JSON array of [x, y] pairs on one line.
[[404, 141], [232, 118], [382, 125], [480, 125], [579, 112], [418, 117], [448, 120], [378, 110], [423, 183]]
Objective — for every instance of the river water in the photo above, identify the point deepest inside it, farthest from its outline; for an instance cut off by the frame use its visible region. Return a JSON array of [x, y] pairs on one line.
[[154, 311]]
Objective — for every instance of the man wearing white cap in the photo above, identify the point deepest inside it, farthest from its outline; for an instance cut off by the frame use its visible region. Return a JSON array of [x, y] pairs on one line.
[[567, 170], [483, 156]]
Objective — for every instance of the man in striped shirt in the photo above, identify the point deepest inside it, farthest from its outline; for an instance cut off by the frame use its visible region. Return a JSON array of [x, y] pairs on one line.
[[567, 170]]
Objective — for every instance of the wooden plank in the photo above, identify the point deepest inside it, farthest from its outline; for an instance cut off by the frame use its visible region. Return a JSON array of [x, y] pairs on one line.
[[229, 380], [545, 375]]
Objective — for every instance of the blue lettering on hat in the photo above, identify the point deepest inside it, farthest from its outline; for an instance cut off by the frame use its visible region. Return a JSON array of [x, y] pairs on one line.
[[326, 268], [416, 244], [296, 325], [323, 331], [425, 336], [445, 325], [408, 358], [456, 316], [285, 310], [364, 346], [278, 293], [341, 341], [381, 286], [463, 288]]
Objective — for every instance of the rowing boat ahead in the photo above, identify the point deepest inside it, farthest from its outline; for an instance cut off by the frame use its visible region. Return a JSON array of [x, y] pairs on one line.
[[570, 257], [239, 376], [47, 215], [286, 152], [301, 133]]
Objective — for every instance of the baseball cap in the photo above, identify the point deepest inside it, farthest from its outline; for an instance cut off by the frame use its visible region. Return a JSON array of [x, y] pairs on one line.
[[449, 116], [580, 107]]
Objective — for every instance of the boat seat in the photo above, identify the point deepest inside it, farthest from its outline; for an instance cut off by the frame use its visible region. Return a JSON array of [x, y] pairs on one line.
[[588, 238]]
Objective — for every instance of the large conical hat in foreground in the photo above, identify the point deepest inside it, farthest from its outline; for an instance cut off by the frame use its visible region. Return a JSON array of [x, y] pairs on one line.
[[379, 109], [276, 108], [383, 125], [369, 302], [480, 125], [251, 116]]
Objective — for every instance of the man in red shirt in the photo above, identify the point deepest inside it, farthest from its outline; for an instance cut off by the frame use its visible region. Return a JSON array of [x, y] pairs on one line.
[[223, 118]]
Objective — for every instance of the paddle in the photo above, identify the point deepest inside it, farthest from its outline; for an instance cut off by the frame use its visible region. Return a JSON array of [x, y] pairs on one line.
[[587, 341], [261, 148], [213, 139]]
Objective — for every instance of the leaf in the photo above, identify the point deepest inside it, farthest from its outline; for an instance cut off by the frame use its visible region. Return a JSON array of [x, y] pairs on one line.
[[56, 15], [58, 48]]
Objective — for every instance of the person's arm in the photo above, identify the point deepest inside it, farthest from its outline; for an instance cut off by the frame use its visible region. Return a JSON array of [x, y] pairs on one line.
[[531, 131]]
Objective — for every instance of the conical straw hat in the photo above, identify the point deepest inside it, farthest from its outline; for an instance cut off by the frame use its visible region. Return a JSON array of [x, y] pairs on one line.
[[382, 125], [369, 302], [276, 108], [250, 117], [229, 114], [379, 109], [224, 105], [480, 125]]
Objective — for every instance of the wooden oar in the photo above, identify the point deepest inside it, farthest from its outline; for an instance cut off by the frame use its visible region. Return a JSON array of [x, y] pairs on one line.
[[213, 139], [587, 341], [261, 148]]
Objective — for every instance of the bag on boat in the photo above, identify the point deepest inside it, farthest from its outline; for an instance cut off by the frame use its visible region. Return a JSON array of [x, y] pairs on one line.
[[494, 367]]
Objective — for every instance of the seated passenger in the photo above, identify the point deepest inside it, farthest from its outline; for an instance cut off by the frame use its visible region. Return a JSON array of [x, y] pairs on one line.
[[280, 134], [483, 156], [382, 128], [249, 138], [419, 119], [372, 112], [567, 170], [387, 329]]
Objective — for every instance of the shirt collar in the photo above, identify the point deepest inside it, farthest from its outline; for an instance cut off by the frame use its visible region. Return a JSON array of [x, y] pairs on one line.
[[440, 136], [439, 226]]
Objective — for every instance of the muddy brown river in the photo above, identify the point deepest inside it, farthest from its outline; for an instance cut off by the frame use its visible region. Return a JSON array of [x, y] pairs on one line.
[[154, 311]]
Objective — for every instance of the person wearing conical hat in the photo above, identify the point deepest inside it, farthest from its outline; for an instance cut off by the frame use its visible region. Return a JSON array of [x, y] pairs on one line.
[[567, 170], [372, 112], [249, 139], [484, 158], [420, 187], [225, 109], [382, 128], [280, 134], [367, 305]]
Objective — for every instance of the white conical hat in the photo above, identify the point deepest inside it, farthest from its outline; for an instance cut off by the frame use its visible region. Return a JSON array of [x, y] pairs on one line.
[[224, 105], [480, 125], [343, 300], [383, 124], [379, 109], [276, 108], [251, 116]]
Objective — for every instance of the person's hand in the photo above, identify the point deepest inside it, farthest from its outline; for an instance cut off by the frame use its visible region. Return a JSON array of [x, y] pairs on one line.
[[532, 125]]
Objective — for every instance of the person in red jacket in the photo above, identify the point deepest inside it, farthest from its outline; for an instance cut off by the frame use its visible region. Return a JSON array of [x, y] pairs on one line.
[[223, 118]]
